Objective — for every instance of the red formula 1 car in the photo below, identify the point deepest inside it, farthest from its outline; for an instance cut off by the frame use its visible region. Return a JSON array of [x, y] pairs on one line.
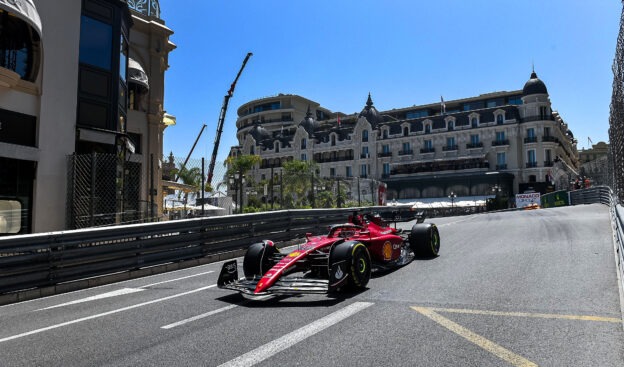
[[342, 259]]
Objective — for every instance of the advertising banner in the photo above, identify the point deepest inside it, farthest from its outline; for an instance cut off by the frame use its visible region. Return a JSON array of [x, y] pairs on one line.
[[524, 200]]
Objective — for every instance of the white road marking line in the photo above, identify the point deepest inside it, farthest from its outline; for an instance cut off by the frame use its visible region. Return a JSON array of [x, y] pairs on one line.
[[121, 292], [104, 314], [214, 312], [195, 318], [176, 279], [118, 292], [270, 349]]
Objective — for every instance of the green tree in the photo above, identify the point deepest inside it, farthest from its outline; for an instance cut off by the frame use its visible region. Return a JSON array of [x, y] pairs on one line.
[[298, 182], [240, 165], [188, 176]]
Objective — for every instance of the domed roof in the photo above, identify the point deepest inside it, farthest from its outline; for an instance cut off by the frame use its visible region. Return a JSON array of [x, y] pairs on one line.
[[308, 123], [534, 86], [259, 133], [370, 112]]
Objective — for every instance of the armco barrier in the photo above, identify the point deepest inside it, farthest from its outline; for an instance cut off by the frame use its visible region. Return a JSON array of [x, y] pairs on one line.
[[598, 194], [48, 259]]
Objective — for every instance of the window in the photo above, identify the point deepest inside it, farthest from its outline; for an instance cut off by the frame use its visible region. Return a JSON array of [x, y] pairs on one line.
[[348, 171], [500, 136], [515, 100], [543, 113], [530, 133], [531, 160], [363, 170], [96, 39], [332, 172], [333, 140], [277, 146], [546, 131], [304, 157], [474, 122], [417, 114], [405, 131], [450, 142], [252, 150], [406, 148], [427, 128], [304, 143], [364, 152], [474, 139], [451, 125], [385, 149], [501, 159], [386, 169], [365, 136], [500, 118], [18, 47], [428, 144], [548, 155], [385, 134]]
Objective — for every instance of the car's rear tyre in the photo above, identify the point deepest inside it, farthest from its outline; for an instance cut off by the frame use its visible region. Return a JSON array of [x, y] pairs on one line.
[[350, 266], [257, 259], [424, 239]]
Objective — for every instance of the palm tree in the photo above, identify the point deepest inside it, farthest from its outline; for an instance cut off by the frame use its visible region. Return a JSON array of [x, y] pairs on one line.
[[240, 165], [191, 177]]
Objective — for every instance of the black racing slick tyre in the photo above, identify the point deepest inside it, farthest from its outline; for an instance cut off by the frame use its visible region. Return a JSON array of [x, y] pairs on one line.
[[424, 239], [350, 266], [257, 259]]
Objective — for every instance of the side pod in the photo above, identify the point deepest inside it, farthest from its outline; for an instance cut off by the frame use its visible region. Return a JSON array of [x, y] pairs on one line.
[[229, 274]]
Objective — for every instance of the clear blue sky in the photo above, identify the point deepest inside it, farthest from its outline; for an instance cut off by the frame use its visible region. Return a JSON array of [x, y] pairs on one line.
[[404, 52]]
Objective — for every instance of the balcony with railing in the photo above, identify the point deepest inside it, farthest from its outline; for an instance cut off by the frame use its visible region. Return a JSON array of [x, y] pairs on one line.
[[474, 145], [498, 143], [449, 148], [471, 164], [548, 163], [384, 154], [531, 164], [501, 166], [550, 138], [406, 152], [427, 150], [530, 139]]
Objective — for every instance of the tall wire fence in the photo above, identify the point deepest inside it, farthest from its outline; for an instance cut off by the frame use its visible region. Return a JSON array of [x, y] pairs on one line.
[[616, 118], [104, 189]]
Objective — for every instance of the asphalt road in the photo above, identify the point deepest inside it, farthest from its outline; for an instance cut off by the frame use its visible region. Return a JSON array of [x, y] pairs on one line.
[[522, 288]]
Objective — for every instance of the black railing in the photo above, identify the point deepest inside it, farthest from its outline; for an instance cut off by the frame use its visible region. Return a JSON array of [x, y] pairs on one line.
[[406, 152], [497, 143], [427, 150], [449, 148], [531, 164], [474, 145], [384, 154], [530, 139], [550, 139]]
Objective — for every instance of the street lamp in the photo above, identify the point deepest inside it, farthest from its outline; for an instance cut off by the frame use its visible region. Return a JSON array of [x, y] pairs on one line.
[[452, 196]]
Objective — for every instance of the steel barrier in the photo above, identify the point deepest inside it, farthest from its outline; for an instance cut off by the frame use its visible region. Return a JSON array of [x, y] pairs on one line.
[[40, 260], [598, 194]]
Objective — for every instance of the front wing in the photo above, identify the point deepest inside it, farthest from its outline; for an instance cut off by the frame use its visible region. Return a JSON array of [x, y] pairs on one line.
[[228, 279]]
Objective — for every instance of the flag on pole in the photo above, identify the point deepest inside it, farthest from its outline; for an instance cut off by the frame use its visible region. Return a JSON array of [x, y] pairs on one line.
[[338, 121], [442, 106]]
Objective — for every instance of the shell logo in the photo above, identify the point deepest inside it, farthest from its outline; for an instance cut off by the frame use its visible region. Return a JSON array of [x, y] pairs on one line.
[[294, 254], [387, 250]]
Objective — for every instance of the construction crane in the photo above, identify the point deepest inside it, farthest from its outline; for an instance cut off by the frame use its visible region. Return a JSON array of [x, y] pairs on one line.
[[226, 100]]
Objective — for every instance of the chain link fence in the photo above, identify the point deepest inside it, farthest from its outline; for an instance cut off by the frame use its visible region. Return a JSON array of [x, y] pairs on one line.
[[616, 117]]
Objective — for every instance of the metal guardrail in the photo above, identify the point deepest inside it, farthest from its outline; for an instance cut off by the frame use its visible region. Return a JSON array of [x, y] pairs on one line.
[[39, 260], [598, 194]]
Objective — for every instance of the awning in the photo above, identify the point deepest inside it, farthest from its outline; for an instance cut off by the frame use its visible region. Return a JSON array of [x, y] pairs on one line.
[[25, 10], [136, 74], [178, 186]]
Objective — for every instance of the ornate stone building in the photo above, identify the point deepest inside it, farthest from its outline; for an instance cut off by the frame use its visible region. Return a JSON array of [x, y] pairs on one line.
[[507, 141]]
